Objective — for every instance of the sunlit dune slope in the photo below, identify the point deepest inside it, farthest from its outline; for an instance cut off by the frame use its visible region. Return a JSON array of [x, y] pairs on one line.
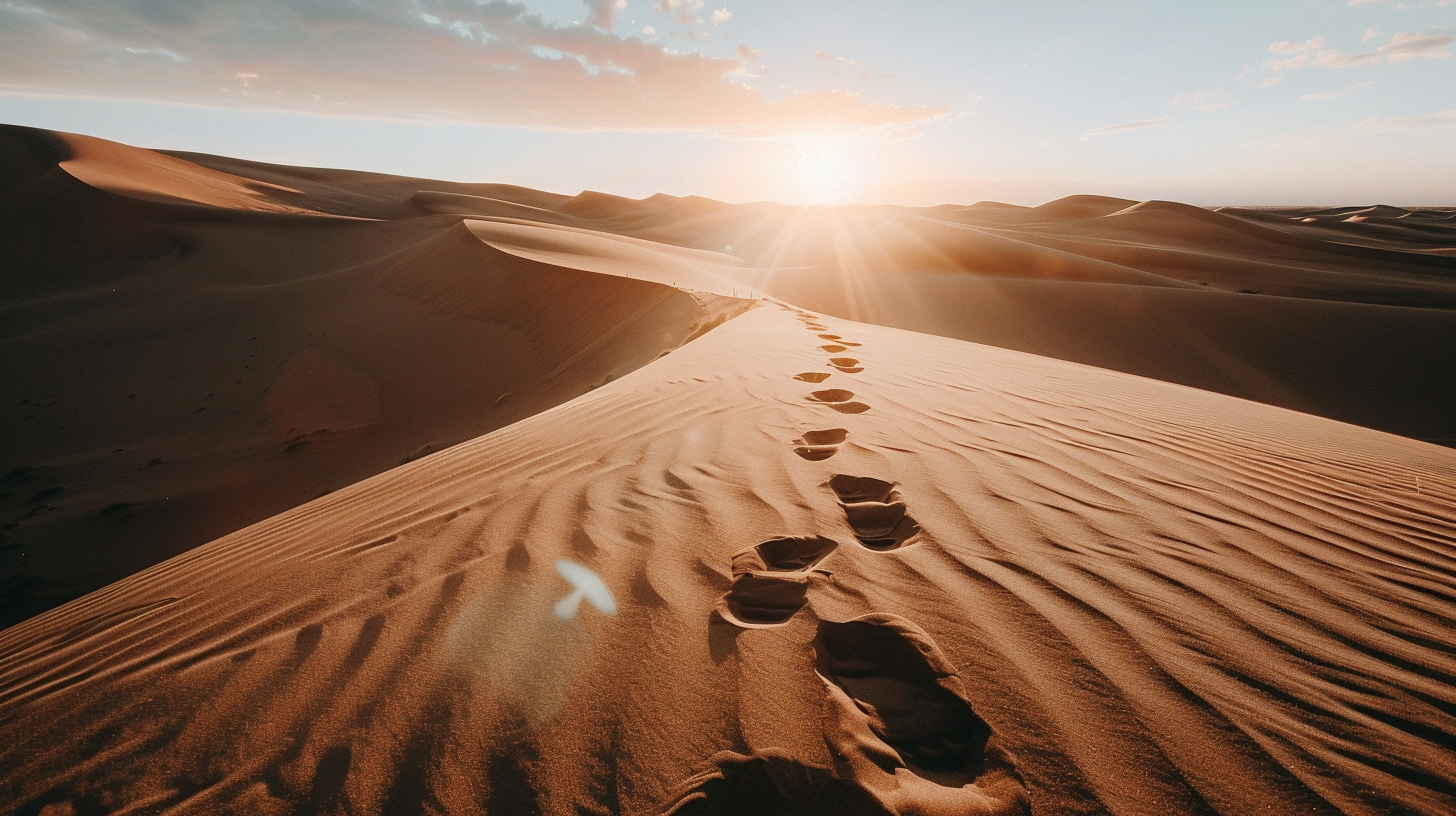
[[176, 370], [1353, 333], [880, 570]]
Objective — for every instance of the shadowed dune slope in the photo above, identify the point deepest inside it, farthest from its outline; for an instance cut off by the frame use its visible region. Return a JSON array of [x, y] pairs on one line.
[[178, 369], [960, 579]]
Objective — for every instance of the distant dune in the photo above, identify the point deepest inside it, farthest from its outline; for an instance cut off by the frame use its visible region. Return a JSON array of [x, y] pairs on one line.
[[329, 491]]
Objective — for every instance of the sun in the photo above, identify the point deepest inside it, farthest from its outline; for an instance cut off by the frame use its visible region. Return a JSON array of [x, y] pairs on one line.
[[825, 168]]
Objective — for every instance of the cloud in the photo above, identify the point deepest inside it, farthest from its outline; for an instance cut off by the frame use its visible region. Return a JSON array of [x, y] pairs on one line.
[[1409, 45], [684, 11], [748, 54], [1291, 47], [489, 62], [1269, 82], [720, 16], [1126, 126], [1369, 35], [1316, 97], [1404, 124], [1370, 126], [600, 13], [1403, 46], [1334, 59], [828, 57]]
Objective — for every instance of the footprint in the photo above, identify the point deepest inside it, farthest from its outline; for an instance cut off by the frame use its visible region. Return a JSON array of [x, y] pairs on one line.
[[881, 525], [833, 349], [787, 554], [771, 580], [855, 489], [819, 445], [848, 365], [813, 376], [847, 343], [899, 723], [815, 327], [840, 400], [879, 520], [828, 337]]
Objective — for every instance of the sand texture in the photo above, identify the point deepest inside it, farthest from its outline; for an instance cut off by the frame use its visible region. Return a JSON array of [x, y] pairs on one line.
[[725, 546]]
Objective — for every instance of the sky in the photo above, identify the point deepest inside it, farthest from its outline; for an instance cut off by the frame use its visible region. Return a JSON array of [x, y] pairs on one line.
[[1252, 102]]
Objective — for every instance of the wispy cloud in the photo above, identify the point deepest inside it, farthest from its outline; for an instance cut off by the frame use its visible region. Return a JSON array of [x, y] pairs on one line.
[[1404, 124], [828, 57], [684, 11], [1409, 45], [490, 62], [1402, 47], [1126, 126], [720, 16], [1391, 127], [1316, 97], [1293, 47]]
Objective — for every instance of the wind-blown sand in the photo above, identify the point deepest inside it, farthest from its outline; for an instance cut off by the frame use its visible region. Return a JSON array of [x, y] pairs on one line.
[[852, 568]]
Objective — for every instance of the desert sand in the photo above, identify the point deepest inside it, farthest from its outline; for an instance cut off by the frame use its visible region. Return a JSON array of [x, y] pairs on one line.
[[675, 506]]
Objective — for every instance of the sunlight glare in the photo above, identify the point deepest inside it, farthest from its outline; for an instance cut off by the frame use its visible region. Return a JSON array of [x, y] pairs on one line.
[[826, 168]]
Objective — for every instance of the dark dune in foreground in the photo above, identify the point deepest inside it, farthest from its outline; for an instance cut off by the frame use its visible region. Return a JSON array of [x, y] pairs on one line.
[[845, 568]]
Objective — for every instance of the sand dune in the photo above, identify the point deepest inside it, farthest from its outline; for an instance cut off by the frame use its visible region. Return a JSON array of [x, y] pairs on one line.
[[524, 503], [256, 361], [1015, 580]]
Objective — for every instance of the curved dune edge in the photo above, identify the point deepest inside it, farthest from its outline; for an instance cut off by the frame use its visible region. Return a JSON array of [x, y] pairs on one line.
[[1107, 592], [621, 256], [152, 176]]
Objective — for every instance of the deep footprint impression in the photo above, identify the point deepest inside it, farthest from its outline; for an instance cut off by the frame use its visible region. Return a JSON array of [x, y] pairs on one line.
[[840, 400], [896, 702], [771, 580], [819, 445], [879, 520], [813, 376], [848, 365]]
